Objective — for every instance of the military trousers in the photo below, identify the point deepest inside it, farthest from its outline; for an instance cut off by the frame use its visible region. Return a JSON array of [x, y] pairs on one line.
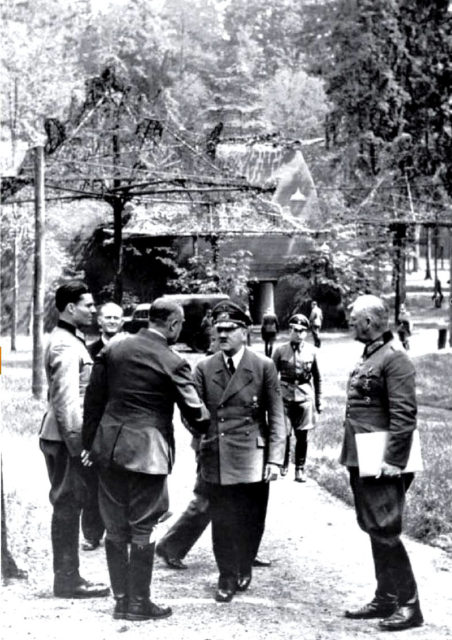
[[68, 491], [238, 514], [379, 504], [131, 504], [190, 525]]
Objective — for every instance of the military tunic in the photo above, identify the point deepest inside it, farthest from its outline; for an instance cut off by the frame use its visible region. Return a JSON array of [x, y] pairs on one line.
[[301, 381]]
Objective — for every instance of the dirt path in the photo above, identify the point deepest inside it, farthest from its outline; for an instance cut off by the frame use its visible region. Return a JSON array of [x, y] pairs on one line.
[[321, 565]]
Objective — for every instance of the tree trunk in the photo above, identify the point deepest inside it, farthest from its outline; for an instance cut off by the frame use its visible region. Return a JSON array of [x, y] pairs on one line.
[[38, 281], [450, 287], [416, 248], [428, 273], [118, 208], [15, 288], [399, 268]]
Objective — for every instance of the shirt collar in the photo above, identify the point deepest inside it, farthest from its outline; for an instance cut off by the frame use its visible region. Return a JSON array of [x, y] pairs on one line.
[[72, 329], [376, 344], [235, 358], [159, 333]]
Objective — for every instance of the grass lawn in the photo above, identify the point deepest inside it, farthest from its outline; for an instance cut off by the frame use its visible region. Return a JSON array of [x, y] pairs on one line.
[[429, 507]]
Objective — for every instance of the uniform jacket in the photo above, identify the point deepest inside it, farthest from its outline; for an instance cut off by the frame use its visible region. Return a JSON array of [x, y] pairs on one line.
[[128, 418], [316, 317], [381, 396], [68, 368], [95, 347], [300, 375], [269, 324], [247, 426]]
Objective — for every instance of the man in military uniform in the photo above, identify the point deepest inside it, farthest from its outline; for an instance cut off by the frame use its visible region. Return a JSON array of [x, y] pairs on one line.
[[68, 368], [381, 397], [316, 321], [128, 430], [243, 448], [301, 384]]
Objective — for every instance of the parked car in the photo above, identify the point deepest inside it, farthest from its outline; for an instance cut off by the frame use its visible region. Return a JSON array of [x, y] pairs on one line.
[[194, 305]]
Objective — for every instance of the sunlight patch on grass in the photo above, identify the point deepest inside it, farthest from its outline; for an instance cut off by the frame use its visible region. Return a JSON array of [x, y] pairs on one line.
[[434, 379]]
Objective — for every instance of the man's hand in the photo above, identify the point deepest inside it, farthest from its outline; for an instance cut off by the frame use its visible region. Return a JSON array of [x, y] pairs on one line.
[[388, 470], [271, 472], [85, 459]]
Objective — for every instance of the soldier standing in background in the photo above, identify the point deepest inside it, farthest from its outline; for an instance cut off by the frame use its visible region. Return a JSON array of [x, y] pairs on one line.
[[296, 362], [316, 321], [269, 331]]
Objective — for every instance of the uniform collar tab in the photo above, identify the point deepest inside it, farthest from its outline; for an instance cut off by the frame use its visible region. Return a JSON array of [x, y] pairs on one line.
[[370, 348], [62, 324]]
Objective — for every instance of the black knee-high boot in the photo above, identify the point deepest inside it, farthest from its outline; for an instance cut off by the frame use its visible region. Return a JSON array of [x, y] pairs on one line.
[[118, 568], [141, 564]]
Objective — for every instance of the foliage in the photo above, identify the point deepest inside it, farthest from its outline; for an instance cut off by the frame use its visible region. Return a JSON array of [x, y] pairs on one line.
[[16, 231], [389, 95], [295, 103], [35, 34], [146, 272], [135, 87], [270, 27], [313, 277], [210, 272]]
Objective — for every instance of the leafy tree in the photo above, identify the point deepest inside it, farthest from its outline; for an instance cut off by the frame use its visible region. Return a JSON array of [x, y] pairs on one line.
[[39, 60], [390, 85], [388, 130], [272, 27], [295, 103], [210, 271]]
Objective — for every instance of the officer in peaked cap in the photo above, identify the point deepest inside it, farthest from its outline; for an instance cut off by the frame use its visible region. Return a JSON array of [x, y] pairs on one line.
[[227, 314], [301, 384], [243, 448]]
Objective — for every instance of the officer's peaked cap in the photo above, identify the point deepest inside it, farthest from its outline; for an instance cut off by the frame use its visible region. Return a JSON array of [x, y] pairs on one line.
[[229, 315], [299, 321]]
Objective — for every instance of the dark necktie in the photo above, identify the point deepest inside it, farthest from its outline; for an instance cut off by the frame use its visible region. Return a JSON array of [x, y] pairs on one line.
[[295, 346], [231, 366]]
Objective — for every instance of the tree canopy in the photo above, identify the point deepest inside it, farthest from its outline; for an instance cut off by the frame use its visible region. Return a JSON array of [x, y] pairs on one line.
[[146, 87]]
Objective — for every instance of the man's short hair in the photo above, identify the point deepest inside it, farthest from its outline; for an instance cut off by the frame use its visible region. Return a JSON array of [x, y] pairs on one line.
[[161, 309], [110, 303], [375, 307], [70, 291]]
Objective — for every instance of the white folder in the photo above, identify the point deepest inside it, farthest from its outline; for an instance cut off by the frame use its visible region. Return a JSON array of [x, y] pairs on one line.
[[371, 449]]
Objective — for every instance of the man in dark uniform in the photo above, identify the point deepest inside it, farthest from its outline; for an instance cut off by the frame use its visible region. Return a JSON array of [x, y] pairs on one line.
[[243, 448], [382, 397], [110, 318], [191, 524], [128, 430], [301, 384], [316, 320], [110, 321], [68, 368], [269, 330]]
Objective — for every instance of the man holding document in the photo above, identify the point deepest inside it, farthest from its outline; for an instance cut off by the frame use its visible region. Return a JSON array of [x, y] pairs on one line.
[[381, 397]]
